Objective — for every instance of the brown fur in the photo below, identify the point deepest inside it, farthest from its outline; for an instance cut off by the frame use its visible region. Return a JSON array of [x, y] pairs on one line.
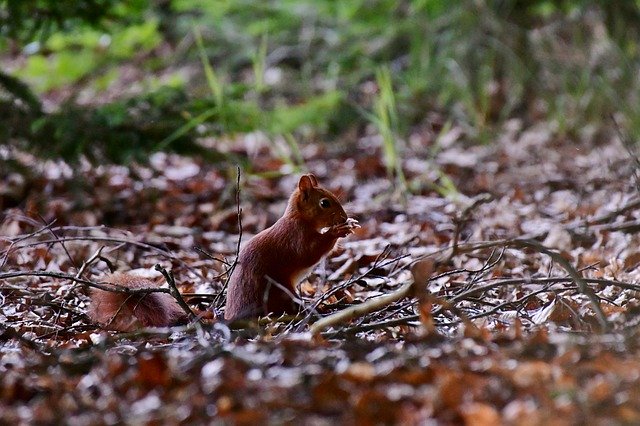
[[123, 312], [281, 253]]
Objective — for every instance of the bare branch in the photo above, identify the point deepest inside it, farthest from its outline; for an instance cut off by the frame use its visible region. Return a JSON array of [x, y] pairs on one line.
[[573, 273], [361, 309], [235, 262], [173, 291], [105, 286]]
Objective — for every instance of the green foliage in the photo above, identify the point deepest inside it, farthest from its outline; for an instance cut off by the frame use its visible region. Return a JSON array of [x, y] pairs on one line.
[[72, 57], [46, 73], [26, 20], [214, 82], [306, 67], [385, 117], [316, 112], [119, 132], [259, 60]]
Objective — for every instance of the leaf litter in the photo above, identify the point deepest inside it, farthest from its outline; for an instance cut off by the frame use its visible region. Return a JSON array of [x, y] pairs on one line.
[[501, 333]]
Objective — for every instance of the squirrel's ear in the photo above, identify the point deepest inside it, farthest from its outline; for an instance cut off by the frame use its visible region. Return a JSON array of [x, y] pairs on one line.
[[306, 182], [314, 181]]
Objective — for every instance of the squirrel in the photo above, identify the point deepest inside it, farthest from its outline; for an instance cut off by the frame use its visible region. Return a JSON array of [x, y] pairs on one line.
[[267, 270], [129, 312], [272, 263]]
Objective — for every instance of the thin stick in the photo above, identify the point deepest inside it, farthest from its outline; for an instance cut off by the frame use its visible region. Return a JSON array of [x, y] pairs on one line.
[[579, 280], [144, 245], [284, 289], [629, 146], [16, 240], [361, 309], [598, 222], [376, 264], [10, 333], [85, 264], [235, 262], [466, 294], [57, 237], [101, 286], [210, 256], [463, 218], [110, 239], [173, 290]]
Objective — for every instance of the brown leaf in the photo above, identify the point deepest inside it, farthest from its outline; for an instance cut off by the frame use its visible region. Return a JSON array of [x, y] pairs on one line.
[[632, 260], [373, 407], [451, 389], [330, 393], [421, 272], [530, 373], [360, 372], [153, 370], [479, 414]]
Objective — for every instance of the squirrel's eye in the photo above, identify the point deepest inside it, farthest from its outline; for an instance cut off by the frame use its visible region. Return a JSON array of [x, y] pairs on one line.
[[325, 203]]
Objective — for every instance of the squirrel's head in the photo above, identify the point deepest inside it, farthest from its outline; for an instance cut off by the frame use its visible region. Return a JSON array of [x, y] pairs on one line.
[[315, 204]]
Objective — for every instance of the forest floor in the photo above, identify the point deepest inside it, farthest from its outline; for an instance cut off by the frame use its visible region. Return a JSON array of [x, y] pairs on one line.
[[529, 316]]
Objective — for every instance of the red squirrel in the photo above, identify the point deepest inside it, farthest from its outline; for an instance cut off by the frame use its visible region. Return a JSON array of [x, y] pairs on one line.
[[272, 263], [267, 270]]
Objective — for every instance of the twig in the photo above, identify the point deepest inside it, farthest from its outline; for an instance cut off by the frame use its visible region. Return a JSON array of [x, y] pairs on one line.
[[121, 308], [583, 287], [536, 281], [173, 290], [210, 256], [85, 264], [144, 245], [391, 313], [10, 333], [107, 239], [487, 265], [16, 240], [235, 262], [367, 307], [629, 146], [383, 324], [605, 218], [313, 308], [101, 286], [520, 301], [376, 264], [271, 282], [598, 222], [217, 259], [76, 328], [629, 226], [57, 237], [463, 218], [466, 294]]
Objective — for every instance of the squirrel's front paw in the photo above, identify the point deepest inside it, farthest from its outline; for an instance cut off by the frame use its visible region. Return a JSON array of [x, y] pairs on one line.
[[341, 230]]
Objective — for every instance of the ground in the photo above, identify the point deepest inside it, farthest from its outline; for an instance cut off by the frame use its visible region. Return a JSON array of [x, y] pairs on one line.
[[487, 149], [505, 333]]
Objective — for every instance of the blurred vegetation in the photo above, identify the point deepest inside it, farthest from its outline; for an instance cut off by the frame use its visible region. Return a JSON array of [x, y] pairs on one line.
[[119, 79]]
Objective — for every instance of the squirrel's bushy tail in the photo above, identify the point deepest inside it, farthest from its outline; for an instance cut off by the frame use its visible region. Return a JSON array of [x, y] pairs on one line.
[[125, 312]]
